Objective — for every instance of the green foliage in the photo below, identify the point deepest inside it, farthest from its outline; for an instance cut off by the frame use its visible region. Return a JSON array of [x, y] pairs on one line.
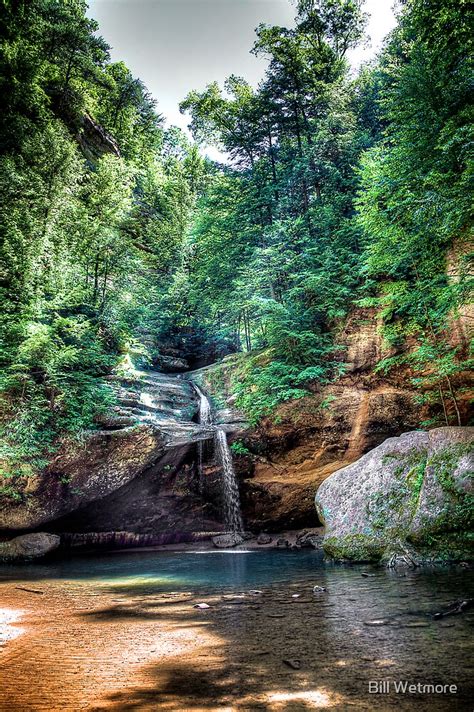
[[95, 199], [415, 201], [273, 253], [52, 387], [262, 384], [238, 448]]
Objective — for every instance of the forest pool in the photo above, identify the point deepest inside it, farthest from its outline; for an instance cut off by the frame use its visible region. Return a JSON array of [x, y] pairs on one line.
[[121, 631]]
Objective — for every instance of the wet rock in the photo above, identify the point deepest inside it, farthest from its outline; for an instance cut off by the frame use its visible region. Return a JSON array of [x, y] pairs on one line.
[[318, 589], [227, 541], [29, 546], [455, 609], [402, 555], [309, 540], [170, 364], [142, 446], [264, 538], [416, 488], [201, 606], [282, 543], [247, 536]]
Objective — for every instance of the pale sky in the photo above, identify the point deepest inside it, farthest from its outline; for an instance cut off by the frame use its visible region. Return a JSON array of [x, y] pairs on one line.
[[174, 46]]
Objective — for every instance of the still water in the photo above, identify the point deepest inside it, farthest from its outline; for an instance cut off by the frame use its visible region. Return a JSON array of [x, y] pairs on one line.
[[424, 590], [178, 571], [364, 623]]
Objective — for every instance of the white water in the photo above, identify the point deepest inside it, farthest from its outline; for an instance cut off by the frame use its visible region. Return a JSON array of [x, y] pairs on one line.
[[230, 490], [205, 418], [232, 516]]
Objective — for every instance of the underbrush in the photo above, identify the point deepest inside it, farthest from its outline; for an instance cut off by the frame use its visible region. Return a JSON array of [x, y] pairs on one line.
[[51, 385]]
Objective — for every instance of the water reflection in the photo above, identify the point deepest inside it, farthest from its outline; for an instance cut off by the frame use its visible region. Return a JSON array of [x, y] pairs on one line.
[[360, 628]]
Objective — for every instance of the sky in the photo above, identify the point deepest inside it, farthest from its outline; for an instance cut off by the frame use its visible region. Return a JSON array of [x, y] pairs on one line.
[[175, 46]]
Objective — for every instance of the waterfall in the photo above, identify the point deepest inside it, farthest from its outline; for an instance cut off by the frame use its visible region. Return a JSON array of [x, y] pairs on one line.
[[205, 418], [232, 516], [230, 489]]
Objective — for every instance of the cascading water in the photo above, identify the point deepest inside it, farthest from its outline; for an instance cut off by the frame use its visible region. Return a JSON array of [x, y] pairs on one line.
[[230, 490], [232, 516], [205, 418]]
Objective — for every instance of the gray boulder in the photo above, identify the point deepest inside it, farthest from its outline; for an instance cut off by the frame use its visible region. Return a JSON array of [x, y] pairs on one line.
[[28, 546], [411, 493], [226, 541]]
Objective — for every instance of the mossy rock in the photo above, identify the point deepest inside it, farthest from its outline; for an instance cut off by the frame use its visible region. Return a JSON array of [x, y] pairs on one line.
[[415, 490]]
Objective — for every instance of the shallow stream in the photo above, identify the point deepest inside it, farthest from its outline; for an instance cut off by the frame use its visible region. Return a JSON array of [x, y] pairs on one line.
[[368, 624]]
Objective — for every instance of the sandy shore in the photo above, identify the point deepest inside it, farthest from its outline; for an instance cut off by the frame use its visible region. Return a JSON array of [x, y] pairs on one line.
[[89, 648]]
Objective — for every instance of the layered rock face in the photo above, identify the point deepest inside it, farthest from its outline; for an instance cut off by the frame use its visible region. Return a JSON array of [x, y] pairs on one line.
[[137, 475], [94, 139], [413, 493], [126, 475]]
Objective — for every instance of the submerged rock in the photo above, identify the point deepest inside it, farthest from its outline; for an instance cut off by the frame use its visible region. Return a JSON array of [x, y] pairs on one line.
[[28, 546], [292, 663], [410, 498], [227, 541]]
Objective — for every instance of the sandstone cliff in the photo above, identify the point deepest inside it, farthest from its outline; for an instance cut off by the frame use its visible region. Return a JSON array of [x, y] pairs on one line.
[[137, 475]]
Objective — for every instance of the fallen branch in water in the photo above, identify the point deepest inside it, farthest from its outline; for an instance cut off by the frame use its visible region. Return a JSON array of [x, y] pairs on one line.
[[28, 590], [456, 608]]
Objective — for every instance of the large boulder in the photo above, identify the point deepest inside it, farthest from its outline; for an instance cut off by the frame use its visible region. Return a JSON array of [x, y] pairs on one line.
[[28, 546], [411, 492]]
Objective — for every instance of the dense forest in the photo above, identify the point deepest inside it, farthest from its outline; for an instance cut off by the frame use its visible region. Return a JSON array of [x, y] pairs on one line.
[[120, 241]]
